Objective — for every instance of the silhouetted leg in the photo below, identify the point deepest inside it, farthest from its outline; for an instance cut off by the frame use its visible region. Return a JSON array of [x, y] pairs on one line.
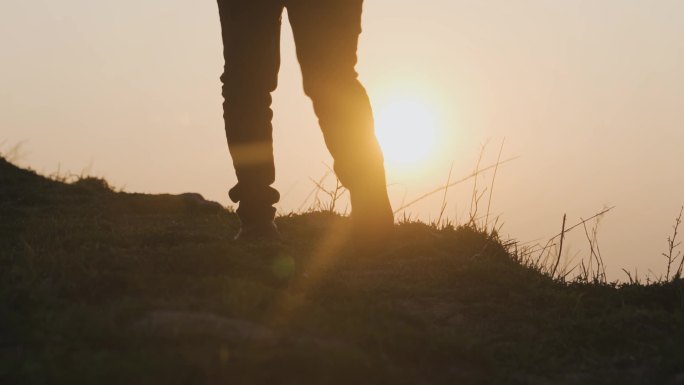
[[326, 35], [251, 41]]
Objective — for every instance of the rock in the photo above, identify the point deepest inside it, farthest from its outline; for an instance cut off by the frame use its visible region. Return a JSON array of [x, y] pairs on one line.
[[177, 324], [180, 325]]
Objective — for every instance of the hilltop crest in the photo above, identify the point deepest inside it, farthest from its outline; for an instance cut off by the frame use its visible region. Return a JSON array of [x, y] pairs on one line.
[[100, 286]]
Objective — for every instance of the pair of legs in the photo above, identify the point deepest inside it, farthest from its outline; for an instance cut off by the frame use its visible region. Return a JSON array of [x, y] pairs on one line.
[[326, 36]]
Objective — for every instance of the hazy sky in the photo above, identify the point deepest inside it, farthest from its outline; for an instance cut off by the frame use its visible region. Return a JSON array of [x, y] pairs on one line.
[[589, 95]]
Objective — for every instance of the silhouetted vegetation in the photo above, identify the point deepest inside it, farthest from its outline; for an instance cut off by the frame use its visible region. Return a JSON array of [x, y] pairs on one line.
[[100, 286]]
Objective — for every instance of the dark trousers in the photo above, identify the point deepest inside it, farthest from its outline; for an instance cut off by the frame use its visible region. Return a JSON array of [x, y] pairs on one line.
[[326, 35]]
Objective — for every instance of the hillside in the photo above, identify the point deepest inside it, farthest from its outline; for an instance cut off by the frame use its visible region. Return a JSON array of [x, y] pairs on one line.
[[105, 287]]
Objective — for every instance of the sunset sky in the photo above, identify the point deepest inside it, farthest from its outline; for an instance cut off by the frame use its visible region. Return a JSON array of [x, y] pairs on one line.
[[589, 95]]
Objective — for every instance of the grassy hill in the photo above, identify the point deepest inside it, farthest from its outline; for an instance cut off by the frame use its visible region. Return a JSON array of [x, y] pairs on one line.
[[104, 287]]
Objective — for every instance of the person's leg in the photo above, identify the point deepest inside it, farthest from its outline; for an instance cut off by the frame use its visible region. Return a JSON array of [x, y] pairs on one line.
[[326, 36], [251, 41]]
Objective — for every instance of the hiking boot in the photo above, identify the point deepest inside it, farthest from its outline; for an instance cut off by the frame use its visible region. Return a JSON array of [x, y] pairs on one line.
[[260, 231], [371, 231], [372, 220], [370, 238]]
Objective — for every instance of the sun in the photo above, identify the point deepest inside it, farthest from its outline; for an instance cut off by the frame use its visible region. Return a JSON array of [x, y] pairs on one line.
[[407, 131]]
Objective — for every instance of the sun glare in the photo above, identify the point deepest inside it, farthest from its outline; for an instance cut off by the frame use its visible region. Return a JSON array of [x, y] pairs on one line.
[[407, 131]]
